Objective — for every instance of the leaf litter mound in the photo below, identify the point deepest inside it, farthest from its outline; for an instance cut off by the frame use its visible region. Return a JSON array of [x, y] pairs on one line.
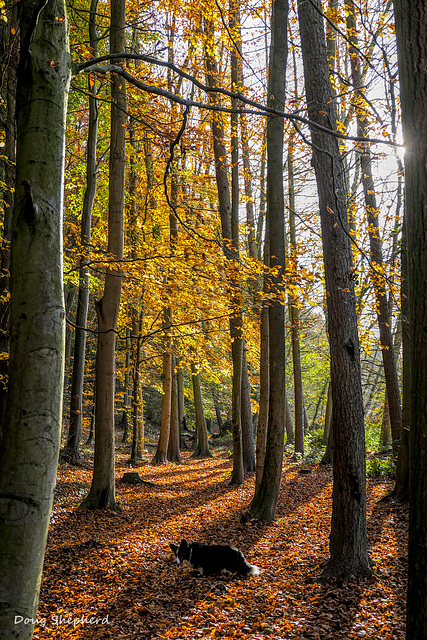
[[109, 575]]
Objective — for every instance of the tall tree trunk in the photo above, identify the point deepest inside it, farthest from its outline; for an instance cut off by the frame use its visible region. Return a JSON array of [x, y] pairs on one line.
[[411, 32], [72, 448], [264, 387], [228, 210], [294, 312], [102, 491], [31, 437], [263, 505], [348, 540], [372, 212]]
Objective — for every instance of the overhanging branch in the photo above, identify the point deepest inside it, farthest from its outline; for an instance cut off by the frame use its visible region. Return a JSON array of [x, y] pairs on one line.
[[94, 66]]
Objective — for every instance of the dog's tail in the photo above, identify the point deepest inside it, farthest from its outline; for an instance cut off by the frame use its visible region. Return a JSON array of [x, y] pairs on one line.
[[250, 570]]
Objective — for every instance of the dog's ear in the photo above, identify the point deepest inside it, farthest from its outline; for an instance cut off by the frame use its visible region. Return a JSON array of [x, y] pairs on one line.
[[183, 544], [174, 548]]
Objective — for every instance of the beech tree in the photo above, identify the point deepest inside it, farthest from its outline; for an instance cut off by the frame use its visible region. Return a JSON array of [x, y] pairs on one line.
[[411, 32], [30, 443]]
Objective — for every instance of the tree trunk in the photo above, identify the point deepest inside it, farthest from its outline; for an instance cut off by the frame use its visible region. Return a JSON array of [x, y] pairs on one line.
[[372, 212], [202, 449], [136, 408], [348, 540], [181, 406], [264, 392], [401, 487], [411, 32], [72, 448], [173, 454], [162, 447], [31, 437], [228, 210], [264, 502], [102, 491], [140, 439], [248, 439], [294, 313]]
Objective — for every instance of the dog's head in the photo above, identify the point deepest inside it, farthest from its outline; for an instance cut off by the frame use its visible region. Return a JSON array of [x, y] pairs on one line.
[[181, 553]]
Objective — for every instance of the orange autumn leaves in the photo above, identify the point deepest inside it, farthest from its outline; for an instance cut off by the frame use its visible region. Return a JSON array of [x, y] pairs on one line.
[[113, 576]]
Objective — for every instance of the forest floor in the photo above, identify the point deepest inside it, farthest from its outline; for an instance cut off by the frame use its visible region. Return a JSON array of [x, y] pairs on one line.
[[109, 575]]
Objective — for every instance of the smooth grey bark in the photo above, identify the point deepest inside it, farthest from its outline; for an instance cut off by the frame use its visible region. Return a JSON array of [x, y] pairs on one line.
[[411, 32], [30, 444], [264, 502], [348, 539], [72, 448], [102, 491]]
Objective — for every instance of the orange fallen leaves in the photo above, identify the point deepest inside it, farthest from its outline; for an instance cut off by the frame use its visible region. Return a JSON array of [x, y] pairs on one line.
[[112, 576]]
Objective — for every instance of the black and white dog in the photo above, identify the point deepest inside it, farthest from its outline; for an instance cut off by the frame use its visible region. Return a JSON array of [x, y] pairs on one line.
[[213, 558]]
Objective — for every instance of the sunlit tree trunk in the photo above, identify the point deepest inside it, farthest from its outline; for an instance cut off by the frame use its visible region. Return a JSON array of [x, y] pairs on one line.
[[173, 454], [31, 437], [411, 32], [102, 492], [202, 449], [165, 420], [348, 539]]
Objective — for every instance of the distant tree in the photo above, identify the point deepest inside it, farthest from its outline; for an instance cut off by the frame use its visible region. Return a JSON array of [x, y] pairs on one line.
[[411, 32], [202, 448], [173, 454]]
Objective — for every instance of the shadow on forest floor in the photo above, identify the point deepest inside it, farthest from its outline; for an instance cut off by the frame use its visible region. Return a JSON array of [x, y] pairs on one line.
[[116, 570]]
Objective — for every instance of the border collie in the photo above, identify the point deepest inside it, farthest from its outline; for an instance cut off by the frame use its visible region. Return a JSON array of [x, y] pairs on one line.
[[213, 558]]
